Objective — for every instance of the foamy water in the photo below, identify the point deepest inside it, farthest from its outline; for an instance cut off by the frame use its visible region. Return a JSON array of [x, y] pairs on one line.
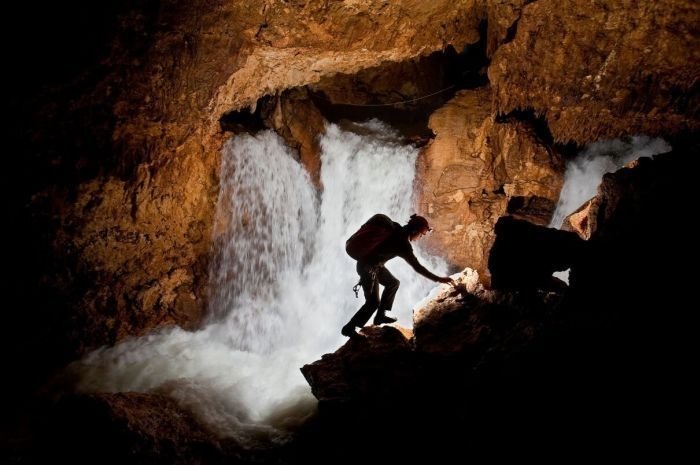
[[281, 283]]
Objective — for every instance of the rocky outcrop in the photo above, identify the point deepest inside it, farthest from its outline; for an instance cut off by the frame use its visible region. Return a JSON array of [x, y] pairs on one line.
[[359, 368], [465, 326], [524, 256], [142, 271], [600, 70], [581, 221], [493, 365], [628, 222], [502, 17], [625, 199], [295, 117], [472, 169], [298, 44]]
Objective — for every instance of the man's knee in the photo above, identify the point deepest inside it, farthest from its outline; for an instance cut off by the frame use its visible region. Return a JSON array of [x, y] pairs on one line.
[[394, 284]]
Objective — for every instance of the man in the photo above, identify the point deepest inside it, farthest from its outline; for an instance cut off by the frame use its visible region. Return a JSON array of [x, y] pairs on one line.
[[395, 242]]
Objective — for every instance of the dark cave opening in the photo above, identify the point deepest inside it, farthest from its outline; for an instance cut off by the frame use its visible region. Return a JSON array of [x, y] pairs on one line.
[[439, 76]]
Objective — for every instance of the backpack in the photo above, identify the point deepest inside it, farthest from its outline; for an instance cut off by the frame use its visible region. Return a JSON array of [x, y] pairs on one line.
[[361, 244]]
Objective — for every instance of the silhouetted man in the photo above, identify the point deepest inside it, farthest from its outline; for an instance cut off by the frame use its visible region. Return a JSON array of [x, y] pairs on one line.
[[379, 240]]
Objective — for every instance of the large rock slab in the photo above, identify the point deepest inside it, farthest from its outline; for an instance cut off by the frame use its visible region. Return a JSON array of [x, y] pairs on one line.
[[470, 172]]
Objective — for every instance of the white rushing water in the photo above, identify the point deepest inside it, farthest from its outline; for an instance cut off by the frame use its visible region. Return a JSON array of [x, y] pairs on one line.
[[585, 172], [281, 283]]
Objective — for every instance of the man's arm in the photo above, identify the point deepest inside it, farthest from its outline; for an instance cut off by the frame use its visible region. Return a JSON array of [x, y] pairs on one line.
[[413, 261]]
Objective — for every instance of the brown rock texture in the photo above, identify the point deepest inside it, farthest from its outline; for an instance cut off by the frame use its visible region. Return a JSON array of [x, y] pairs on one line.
[[133, 240], [582, 221], [468, 173], [502, 17], [126, 157], [129, 147], [295, 117], [142, 242], [463, 330], [602, 69], [298, 44], [635, 200], [359, 368], [447, 324]]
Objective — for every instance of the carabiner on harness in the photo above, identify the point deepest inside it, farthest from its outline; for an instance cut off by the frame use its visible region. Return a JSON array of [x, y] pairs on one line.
[[356, 289]]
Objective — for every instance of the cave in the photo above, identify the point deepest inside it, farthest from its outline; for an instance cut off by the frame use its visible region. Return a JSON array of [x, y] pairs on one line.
[[183, 176]]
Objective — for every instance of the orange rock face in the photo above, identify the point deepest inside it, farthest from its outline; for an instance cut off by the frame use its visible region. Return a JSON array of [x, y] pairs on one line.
[[134, 235], [296, 45], [471, 169], [294, 116], [137, 238], [599, 70], [142, 243]]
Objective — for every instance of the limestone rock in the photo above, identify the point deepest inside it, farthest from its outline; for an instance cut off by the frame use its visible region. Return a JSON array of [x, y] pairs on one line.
[[446, 325], [140, 248], [461, 331], [581, 221], [471, 170], [503, 17], [524, 255], [294, 116], [600, 70], [372, 365], [299, 44]]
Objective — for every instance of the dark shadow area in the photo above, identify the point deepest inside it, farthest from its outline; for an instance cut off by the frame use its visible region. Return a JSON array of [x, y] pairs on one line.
[[604, 369], [245, 120], [437, 78], [404, 95], [53, 52], [541, 130]]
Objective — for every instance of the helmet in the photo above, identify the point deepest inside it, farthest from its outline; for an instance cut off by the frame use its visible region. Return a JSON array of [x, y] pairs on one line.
[[416, 223]]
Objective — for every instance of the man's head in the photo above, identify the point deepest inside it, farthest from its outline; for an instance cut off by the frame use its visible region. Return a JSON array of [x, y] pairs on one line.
[[417, 226]]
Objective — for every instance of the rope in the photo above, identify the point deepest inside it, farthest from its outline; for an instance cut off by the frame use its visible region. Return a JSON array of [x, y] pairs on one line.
[[395, 103]]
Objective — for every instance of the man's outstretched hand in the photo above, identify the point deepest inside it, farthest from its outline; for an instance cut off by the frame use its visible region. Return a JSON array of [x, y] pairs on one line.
[[447, 280]]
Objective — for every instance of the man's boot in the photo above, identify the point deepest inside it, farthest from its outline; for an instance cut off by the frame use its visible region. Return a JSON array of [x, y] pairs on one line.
[[381, 318], [349, 331]]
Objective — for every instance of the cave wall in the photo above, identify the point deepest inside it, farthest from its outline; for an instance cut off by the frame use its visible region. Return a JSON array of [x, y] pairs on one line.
[[471, 170], [602, 69], [127, 216]]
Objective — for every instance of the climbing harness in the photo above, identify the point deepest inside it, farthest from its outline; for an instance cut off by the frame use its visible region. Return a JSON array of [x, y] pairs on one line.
[[356, 288], [372, 275]]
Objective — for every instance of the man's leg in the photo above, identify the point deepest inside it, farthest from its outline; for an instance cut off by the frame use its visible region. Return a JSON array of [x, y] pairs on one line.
[[370, 288], [391, 285]]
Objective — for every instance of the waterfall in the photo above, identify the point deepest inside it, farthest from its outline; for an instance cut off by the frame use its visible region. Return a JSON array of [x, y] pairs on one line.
[[281, 283], [585, 172]]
